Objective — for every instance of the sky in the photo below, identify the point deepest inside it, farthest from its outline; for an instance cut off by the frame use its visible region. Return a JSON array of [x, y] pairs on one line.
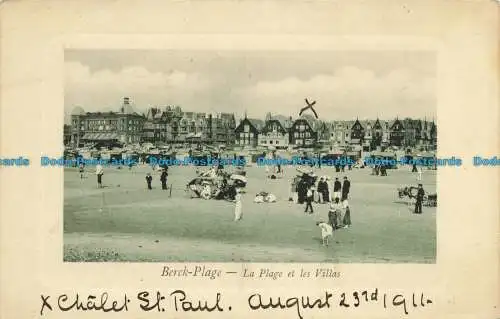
[[344, 84]]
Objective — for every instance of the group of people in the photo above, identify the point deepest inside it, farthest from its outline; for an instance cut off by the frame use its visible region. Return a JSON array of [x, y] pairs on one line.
[[379, 170], [339, 216], [163, 179], [306, 191]]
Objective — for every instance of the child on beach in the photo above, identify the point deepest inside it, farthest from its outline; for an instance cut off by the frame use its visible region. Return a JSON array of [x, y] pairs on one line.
[[326, 232]]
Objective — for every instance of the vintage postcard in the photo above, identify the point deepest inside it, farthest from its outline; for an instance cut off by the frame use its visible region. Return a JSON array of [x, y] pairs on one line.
[[265, 159]]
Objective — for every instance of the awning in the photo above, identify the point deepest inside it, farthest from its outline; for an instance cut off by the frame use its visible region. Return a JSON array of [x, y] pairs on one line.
[[100, 136]]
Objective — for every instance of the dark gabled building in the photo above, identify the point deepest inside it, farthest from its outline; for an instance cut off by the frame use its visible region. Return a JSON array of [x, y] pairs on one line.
[[397, 134], [411, 132], [357, 133], [302, 134], [377, 134], [247, 132]]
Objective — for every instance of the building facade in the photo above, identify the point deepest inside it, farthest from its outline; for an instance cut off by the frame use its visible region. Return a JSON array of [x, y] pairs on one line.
[[247, 132], [340, 134], [171, 124], [125, 126], [357, 133], [221, 128], [397, 133], [273, 134], [302, 134]]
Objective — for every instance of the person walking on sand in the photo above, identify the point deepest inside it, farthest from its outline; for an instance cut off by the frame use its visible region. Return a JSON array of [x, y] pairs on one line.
[[420, 198], [238, 214], [337, 186], [309, 199], [99, 171], [347, 216], [163, 179], [149, 178], [346, 188], [81, 169]]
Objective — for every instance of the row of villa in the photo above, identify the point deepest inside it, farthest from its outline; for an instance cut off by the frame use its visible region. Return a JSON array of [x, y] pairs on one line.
[[171, 125]]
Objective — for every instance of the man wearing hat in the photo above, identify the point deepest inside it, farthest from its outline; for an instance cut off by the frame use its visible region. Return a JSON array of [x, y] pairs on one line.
[[420, 198]]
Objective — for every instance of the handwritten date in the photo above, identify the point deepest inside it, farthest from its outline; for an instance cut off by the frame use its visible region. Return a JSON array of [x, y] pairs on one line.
[[344, 300]]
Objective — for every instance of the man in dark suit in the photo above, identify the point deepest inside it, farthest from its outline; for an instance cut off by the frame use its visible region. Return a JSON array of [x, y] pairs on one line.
[[420, 198], [163, 179], [149, 178], [323, 191], [337, 186], [346, 187]]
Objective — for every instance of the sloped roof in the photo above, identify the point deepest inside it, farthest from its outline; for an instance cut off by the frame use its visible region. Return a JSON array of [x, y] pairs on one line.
[[78, 110], [284, 120], [257, 123]]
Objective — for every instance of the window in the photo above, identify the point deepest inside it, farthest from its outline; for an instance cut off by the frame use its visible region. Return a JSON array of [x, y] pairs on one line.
[[270, 142], [277, 142], [246, 128]]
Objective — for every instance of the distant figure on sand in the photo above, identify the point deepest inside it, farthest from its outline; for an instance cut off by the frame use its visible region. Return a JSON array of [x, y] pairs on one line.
[[346, 188], [347, 216], [309, 199], [420, 198], [99, 171], [419, 174], [163, 179], [335, 214], [149, 178], [81, 169], [238, 214], [326, 232], [337, 186]]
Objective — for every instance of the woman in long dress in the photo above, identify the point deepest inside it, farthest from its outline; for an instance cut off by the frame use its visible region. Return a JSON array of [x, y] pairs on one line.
[[238, 214]]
